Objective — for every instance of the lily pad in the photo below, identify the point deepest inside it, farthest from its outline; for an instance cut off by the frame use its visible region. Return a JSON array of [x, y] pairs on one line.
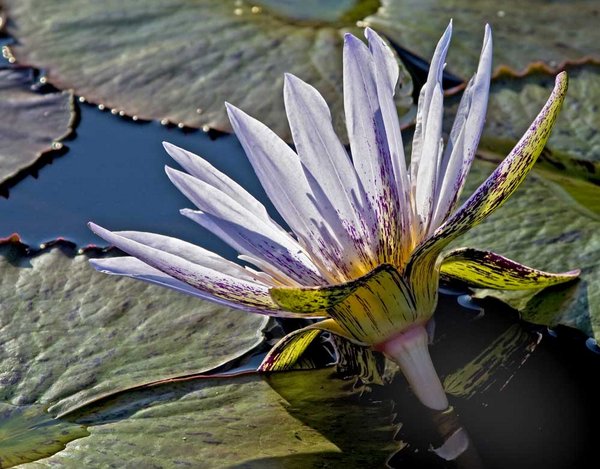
[[71, 334], [540, 228], [29, 432], [189, 57], [32, 123], [555, 32], [301, 419]]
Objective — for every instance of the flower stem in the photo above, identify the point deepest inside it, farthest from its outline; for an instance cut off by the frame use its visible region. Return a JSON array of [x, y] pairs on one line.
[[410, 351]]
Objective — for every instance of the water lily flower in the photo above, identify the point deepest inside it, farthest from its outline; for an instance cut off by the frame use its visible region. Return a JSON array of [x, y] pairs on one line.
[[368, 233]]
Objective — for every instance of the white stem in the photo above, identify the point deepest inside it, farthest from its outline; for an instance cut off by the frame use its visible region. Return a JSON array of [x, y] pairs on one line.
[[409, 350]]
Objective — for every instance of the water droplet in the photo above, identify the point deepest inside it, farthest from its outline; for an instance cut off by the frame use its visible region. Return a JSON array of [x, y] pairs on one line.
[[181, 125], [101, 107], [57, 145], [43, 246], [199, 111], [592, 344], [121, 113], [467, 302], [43, 80], [255, 10], [81, 99], [114, 112], [205, 128], [164, 122], [134, 118], [238, 11]]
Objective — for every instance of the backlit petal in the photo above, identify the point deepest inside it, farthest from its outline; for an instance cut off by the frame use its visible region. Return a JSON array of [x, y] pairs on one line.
[[368, 309], [287, 352]]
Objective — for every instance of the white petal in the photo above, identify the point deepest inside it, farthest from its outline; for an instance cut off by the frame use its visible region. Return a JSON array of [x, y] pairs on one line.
[[434, 77], [330, 168], [188, 251], [203, 170], [220, 285], [464, 136], [252, 235], [132, 267], [429, 160], [385, 61], [369, 142], [281, 174]]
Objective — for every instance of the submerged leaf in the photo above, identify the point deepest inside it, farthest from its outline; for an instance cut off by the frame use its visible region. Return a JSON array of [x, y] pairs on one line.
[[71, 334], [189, 57], [499, 361], [32, 123]]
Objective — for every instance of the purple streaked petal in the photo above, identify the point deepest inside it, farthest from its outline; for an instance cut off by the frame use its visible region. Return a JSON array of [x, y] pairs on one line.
[[134, 268], [256, 236], [188, 251], [509, 174], [324, 157], [369, 142], [203, 170], [218, 284], [464, 136], [279, 260], [281, 174], [386, 78]]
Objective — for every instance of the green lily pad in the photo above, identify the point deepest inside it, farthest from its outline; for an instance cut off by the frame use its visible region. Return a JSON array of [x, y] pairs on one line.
[[539, 227], [32, 123], [29, 432], [70, 334], [189, 57], [524, 32], [299, 419]]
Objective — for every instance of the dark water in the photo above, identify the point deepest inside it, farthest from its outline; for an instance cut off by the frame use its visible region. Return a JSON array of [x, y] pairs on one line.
[[113, 174]]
